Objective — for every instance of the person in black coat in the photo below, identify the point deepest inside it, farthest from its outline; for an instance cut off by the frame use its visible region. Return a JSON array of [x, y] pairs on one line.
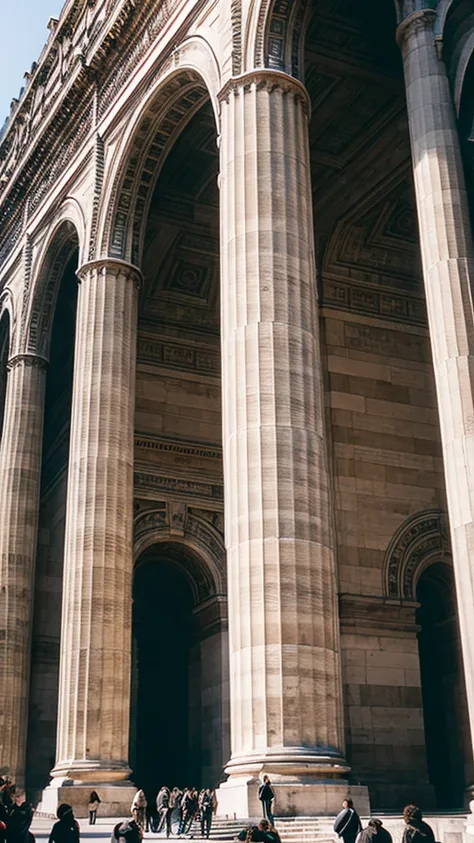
[[20, 817], [375, 833], [266, 796], [416, 831], [66, 829], [348, 825]]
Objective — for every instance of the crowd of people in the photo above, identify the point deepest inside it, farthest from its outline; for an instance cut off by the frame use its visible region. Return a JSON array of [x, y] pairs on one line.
[[176, 810]]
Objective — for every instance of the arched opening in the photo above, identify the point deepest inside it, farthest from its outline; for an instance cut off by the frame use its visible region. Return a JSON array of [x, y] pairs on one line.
[[179, 720], [466, 130], [179, 655], [443, 688], [59, 339], [4, 351]]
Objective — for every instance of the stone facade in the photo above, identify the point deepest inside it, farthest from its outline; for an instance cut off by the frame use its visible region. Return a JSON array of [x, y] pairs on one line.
[[236, 321]]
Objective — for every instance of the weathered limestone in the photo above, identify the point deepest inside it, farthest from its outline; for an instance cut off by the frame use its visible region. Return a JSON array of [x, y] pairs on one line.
[[448, 267], [20, 473], [286, 702], [93, 718]]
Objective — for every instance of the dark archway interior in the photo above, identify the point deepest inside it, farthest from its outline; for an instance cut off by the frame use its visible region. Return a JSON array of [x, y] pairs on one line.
[[443, 689], [49, 558], [466, 126], [4, 348], [163, 634]]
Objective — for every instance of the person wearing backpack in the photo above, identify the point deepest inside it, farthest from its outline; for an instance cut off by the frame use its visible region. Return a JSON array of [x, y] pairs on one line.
[[266, 796]]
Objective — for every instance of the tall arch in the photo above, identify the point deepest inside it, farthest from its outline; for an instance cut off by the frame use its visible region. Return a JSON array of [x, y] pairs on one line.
[[5, 342], [187, 81], [61, 247]]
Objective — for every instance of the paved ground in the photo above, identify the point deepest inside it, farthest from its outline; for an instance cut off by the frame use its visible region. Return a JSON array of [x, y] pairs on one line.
[[91, 833]]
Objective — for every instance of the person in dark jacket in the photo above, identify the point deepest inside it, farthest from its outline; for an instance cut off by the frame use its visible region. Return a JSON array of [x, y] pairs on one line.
[[189, 805], [348, 825], [206, 810], [375, 833], [127, 831], [66, 829], [416, 831], [20, 818], [266, 796]]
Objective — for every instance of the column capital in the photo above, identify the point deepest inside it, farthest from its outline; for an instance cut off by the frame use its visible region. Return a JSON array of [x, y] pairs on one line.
[[415, 21], [270, 80], [112, 266], [28, 359]]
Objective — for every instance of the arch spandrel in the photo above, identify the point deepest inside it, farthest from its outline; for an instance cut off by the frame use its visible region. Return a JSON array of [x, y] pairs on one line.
[[421, 540], [176, 92], [183, 528]]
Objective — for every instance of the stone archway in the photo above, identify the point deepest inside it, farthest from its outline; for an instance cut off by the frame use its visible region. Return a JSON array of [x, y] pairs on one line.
[[179, 722], [5, 339]]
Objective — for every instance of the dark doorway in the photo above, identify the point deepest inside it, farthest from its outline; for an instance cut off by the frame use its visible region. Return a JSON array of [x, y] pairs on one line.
[[443, 689], [163, 638]]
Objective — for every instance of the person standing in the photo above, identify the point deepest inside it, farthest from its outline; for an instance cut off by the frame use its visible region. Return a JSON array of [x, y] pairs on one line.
[[94, 802], [188, 809], [416, 830], [347, 824], [20, 818], [266, 795], [66, 829], [206, 809], [164, 810], [138, 809]]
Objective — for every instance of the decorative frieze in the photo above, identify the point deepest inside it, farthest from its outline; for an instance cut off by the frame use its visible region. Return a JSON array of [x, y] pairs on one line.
[[421, 539], [179, 356], [366, 300], [159, 484]]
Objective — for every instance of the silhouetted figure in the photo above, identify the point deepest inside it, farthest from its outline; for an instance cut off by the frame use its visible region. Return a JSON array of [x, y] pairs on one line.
[[206, 810], [20, 817], [266, 796], [66, 829], [374, 833]]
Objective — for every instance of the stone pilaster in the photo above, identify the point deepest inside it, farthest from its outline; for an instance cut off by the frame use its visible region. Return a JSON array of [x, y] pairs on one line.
[[286, 700], [20, 475], [93, 715], [448, 268]]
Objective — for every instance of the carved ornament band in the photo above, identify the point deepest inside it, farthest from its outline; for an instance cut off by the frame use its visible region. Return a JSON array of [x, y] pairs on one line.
[[416, 22], [269, 80], [112, 267], [30, 360]]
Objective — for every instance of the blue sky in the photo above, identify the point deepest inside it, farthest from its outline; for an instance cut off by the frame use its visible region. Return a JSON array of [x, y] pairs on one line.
[[23, 34]]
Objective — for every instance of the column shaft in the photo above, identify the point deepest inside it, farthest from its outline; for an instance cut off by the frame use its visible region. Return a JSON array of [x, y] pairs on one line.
[[448, 269], [93, 718], [286, 711], [20, 476]]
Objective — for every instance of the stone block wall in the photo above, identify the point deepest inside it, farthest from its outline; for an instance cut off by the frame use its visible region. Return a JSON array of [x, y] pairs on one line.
[[387, 466]]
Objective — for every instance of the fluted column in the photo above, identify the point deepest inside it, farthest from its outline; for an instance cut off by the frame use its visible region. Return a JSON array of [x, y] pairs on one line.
[[93, 715], [286, 711], [20, 475], [448, 269]]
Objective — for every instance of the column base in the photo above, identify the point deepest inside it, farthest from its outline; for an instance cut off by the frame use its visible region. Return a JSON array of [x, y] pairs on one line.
[[238, 797], [116, 799]]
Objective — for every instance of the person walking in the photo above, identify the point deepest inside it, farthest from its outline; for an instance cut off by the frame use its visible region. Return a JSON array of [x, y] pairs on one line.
[[206, 810], [66, 829], [94, 802], [188, 809], [374, 833], [266, 795], [20, 817], [416, 830], [175, 809], [163, 807], [347, 824], [138, 809]]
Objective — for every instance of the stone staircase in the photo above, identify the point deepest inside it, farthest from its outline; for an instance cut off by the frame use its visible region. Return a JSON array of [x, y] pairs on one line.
[[291, 829]]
